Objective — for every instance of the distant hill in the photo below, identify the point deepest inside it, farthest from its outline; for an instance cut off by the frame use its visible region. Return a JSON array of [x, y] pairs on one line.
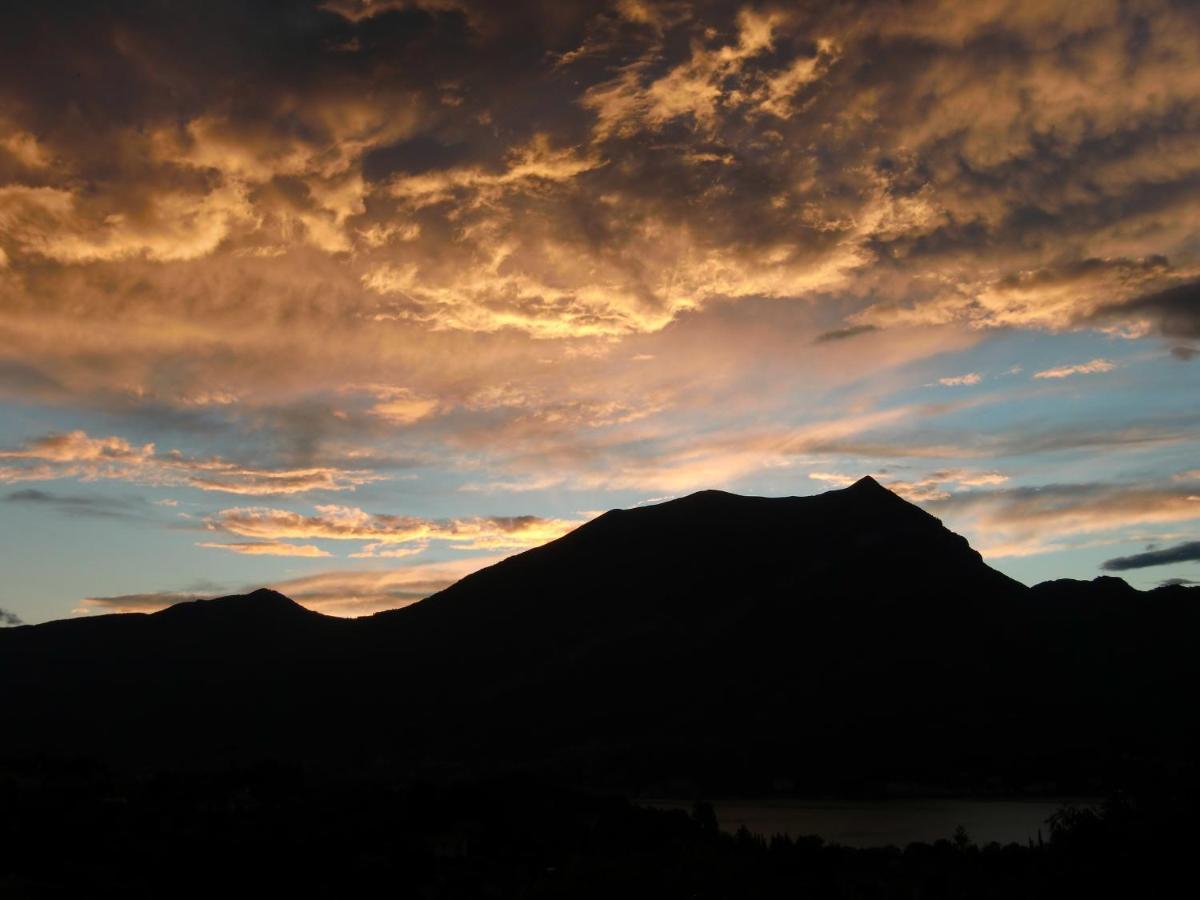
[[841, 642]]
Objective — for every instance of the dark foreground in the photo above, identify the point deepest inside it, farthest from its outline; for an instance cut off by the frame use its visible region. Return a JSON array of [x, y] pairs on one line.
[[841, 644], [71, 830]]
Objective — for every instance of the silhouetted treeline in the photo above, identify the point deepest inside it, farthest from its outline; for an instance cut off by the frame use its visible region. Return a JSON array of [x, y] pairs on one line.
[[72, 830]]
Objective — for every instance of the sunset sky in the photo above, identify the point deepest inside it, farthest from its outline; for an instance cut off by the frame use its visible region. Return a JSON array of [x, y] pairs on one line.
[[351, 298]]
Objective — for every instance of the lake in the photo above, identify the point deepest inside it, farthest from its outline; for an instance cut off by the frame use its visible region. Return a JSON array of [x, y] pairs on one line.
[[895, 822]]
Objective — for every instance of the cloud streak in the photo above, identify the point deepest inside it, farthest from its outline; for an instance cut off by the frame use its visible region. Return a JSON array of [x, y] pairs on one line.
[[1189, 552], [1023, 521], [268, 548], [1094, 367], [381, 532], [336, 592], [961, 380], [77, 455]]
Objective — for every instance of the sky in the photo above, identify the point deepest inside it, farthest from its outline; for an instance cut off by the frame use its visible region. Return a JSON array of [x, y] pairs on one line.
[[351, 298]]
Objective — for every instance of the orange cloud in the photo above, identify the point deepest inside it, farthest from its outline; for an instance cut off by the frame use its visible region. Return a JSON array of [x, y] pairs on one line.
[[347, 523], [1033, 520], [348, 593], [77, 455], [358, 593], [268, 548]]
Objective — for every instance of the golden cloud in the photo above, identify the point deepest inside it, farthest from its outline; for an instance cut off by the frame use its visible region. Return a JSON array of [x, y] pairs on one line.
[[268, 548], [359, 593], [348, 523], [77, 455]]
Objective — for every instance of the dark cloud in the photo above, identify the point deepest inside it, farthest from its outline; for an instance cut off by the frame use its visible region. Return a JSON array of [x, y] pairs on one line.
[[9, 619], [841, 334], [1177, 582], [567, 170], [1189, 552], [413, 157], [81, 505], [1175, 313], [1185, 354]]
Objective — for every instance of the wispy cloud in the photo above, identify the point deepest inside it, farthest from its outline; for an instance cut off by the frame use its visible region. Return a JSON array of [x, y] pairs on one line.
[[932, 486], [75, 454], [356, 593], [268, 548], [148, 602], [336, 592], [1089, 368], [960, 380], [379, 531], [1021, 521], [76, 504]]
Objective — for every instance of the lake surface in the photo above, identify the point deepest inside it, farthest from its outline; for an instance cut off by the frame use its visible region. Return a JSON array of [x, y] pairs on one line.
[[895, 822]]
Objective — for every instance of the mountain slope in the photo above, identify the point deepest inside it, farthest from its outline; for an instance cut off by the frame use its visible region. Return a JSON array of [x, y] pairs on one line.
[[715, 607]]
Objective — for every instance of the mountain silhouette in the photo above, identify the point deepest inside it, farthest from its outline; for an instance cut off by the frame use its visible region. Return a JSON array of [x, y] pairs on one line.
[[839, 642]]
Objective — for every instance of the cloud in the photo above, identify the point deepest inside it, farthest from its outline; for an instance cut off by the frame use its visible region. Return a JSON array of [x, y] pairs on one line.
[[842, 334], [400, 406], [1189, 552], [1059, 296], [712, 82], [669, 462], [338, 593], [48, 222], [268, 548], [356, 221], [1023, 521], [960, 380], [357, 593], [379, 532], [1088, 368], [933, 486], [437, 232], [77, 446], [1173, 312], [680, 158], [74, 504], [9, 619], [133, 603], [77, 455]]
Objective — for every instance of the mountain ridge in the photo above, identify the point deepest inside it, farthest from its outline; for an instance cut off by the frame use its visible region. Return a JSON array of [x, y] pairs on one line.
[[717, 637]]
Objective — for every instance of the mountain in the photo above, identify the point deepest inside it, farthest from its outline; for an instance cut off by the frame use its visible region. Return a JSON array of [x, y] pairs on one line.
[[838, 642]]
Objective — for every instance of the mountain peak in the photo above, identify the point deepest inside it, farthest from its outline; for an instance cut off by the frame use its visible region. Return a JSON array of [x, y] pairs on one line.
[[261, 604], [868, 490], [867, 483]]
